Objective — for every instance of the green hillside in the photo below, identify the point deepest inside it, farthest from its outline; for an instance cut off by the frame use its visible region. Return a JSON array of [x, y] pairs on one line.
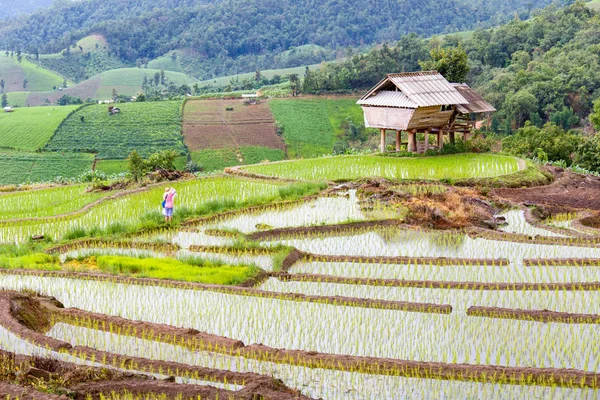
[[145, 127], [14, 73], [30, 128], [269, 73], [126, 81]]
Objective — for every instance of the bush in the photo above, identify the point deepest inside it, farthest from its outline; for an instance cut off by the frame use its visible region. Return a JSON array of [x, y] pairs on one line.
[[551, 142]]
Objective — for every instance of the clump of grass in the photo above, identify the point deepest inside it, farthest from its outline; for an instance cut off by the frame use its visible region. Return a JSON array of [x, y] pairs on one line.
[[190, 270]]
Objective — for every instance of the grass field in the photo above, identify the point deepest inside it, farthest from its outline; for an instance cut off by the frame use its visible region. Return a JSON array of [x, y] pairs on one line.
[[30, 128], [310, 126], [458, 166], [38, 78], [19, 167], [145, 127]]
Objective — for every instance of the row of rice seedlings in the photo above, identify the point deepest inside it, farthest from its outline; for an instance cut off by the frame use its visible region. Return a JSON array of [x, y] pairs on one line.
[[449, 272], [395, 242], [325, 328], [354, 167], [313, 382], [516, 223], [47, 202], [12, 343], [130, 209], [321, 211], [587, 302], [564, 262]]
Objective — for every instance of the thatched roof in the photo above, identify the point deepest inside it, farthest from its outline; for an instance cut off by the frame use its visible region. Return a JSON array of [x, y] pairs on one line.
[[477, 104], [421, 89]]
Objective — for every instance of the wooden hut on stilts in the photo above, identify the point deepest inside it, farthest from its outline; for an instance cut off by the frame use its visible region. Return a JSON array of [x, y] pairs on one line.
[[422, 102]]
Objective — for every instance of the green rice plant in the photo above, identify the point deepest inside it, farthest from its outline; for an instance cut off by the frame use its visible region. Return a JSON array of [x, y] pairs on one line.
[[343, 168], [47, 202], [165, 268]]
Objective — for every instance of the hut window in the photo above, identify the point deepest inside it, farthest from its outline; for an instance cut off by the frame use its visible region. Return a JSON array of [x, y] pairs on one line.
[[446, 108]]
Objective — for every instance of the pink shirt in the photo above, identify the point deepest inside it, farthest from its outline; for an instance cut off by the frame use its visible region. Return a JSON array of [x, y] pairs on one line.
[[169, 197]]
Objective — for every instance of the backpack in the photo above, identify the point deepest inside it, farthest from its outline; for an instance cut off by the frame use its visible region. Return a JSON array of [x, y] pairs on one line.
[[164, 203]]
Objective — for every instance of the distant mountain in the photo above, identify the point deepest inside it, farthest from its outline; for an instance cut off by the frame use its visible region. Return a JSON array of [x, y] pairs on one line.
[[14, 8], [231, 36]]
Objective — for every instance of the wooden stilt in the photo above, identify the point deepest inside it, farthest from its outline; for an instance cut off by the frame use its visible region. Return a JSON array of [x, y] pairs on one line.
[[398, 142], [452, 137], [426, 147], [382, 141], [440, 140], [412, 141], [465, 136]]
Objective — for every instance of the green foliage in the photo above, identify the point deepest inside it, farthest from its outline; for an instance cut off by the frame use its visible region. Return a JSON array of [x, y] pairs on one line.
[[167, 268], [550, 143], [588, 154], [145, 127], [19, 167], [222, 38], [595, 115], [451, 62], [162, 160], [137, 167], [66, 100]]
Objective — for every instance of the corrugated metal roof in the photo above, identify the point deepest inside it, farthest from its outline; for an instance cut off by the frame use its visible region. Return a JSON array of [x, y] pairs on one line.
[[387, 98], [427, 89], [477, 103]]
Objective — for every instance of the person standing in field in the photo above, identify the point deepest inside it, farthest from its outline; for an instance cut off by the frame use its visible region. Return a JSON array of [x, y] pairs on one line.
[[168, 200]]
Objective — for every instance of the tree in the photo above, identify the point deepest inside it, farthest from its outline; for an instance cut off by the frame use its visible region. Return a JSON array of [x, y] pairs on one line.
[[294, 80], [156, 79], [66, 100], [64, 84], [4, 100], [452, 63], [2, 83], [25, 82], [257, 75], [520, 106], [595, 115], [163, 81], [115, 95], [588, 154], [137, 166]]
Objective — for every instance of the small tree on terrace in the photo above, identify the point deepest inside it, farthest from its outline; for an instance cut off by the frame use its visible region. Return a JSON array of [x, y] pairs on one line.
[[137, 166], [4, 100]]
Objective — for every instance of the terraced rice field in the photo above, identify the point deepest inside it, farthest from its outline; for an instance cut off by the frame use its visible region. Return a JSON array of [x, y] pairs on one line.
[[347, 168], [335, 303]]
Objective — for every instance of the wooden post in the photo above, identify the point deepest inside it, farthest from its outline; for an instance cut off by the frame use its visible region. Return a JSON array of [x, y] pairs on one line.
[[426, 147], [452, 137], [382, 140], [440, 140], [412, 141], [465, 136], [398, 141]]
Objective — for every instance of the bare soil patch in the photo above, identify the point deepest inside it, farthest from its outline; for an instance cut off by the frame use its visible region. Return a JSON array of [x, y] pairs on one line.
[[568, 190], [217, 124]]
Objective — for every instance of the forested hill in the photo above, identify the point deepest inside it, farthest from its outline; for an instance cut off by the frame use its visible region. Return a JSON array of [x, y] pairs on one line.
[[253, 31], [13, 8]]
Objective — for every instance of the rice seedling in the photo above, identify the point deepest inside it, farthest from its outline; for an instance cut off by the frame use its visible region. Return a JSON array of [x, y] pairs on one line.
[[516, 223]]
